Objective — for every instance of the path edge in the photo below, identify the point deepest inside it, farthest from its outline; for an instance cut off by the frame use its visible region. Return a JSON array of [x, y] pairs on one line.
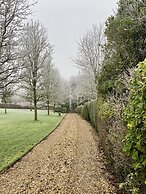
[[5, 169]]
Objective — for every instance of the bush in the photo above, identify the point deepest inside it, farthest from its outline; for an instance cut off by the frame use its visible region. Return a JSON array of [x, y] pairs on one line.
[[105, 110], [111, 131], [92, 107], [135, 116], [85, 112], [78, 110]]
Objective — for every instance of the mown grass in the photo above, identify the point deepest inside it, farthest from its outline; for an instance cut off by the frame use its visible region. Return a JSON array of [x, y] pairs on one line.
[[19, 133]]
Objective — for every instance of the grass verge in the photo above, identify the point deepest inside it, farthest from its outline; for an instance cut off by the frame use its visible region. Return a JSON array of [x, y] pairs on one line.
[[19, 133]]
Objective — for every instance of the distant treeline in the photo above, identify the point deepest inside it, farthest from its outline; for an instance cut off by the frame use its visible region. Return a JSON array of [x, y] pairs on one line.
[[13, 106]]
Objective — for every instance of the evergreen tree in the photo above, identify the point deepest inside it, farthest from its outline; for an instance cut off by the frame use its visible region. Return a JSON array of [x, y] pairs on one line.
[[126, 42]]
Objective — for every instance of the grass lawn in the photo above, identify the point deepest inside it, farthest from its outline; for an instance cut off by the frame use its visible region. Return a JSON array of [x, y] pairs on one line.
[[19, 133]]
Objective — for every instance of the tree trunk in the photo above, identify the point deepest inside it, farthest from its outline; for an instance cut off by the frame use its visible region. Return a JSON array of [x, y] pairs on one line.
[[35, 105], [31, 106], [54, 107], [48, 104], [5, 107], [35, 113]]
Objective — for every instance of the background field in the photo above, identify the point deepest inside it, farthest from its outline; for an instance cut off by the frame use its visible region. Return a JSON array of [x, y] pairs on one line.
[[19, 133]]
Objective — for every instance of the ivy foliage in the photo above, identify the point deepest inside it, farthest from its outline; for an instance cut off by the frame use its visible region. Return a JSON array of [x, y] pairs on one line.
[[135, 116]]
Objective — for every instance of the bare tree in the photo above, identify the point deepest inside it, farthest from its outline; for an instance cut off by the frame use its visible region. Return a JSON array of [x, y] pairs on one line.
[[6, 93], [12, 15], [48, 81], [56, 87], [36, 49], [90, 51], [53, 84], [82, 88], [86, 86]]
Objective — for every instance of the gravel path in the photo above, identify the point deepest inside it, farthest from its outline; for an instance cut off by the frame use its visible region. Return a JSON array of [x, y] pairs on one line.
[[67, 162]]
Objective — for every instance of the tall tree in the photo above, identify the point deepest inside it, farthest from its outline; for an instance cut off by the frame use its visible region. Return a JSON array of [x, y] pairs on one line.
[[56, 87], [12, 15], [6, 93], [36, 49], [125, 45], [90, 52], [48, 82], [86, 86]]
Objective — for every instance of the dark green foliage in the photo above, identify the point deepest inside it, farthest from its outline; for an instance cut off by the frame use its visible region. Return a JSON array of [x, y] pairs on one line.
[[78, 110], [126, 44], [92, 108], [57, 109], [89, 112], [135, 116], [111, 131], [64, 107], [85, 112], [125, 47]]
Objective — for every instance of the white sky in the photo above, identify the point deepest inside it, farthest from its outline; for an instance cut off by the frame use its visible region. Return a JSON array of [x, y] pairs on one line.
[[66, 21]]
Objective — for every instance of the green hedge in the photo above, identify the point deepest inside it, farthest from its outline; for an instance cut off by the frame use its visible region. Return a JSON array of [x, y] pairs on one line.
[[129, 168], [85, 112], [135, 117], [95, 110], [111, 132]]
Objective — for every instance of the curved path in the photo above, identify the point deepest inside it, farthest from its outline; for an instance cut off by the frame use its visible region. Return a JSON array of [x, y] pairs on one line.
[[67, 162]]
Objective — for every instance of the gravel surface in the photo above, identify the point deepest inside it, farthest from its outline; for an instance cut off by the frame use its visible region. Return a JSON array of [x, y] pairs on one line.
[[67, 162]]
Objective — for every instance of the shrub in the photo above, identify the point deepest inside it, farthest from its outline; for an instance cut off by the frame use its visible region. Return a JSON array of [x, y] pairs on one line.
[[105, 117], [135, 116], [105, 110], [78, 110], [85, 112], [111, 131], [92, 107]]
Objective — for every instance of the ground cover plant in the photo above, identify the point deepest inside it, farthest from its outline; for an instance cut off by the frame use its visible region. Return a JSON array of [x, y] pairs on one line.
[[19, 133]]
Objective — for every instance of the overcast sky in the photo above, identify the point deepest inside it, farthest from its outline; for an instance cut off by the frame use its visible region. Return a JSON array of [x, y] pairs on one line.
[[66, 21]]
